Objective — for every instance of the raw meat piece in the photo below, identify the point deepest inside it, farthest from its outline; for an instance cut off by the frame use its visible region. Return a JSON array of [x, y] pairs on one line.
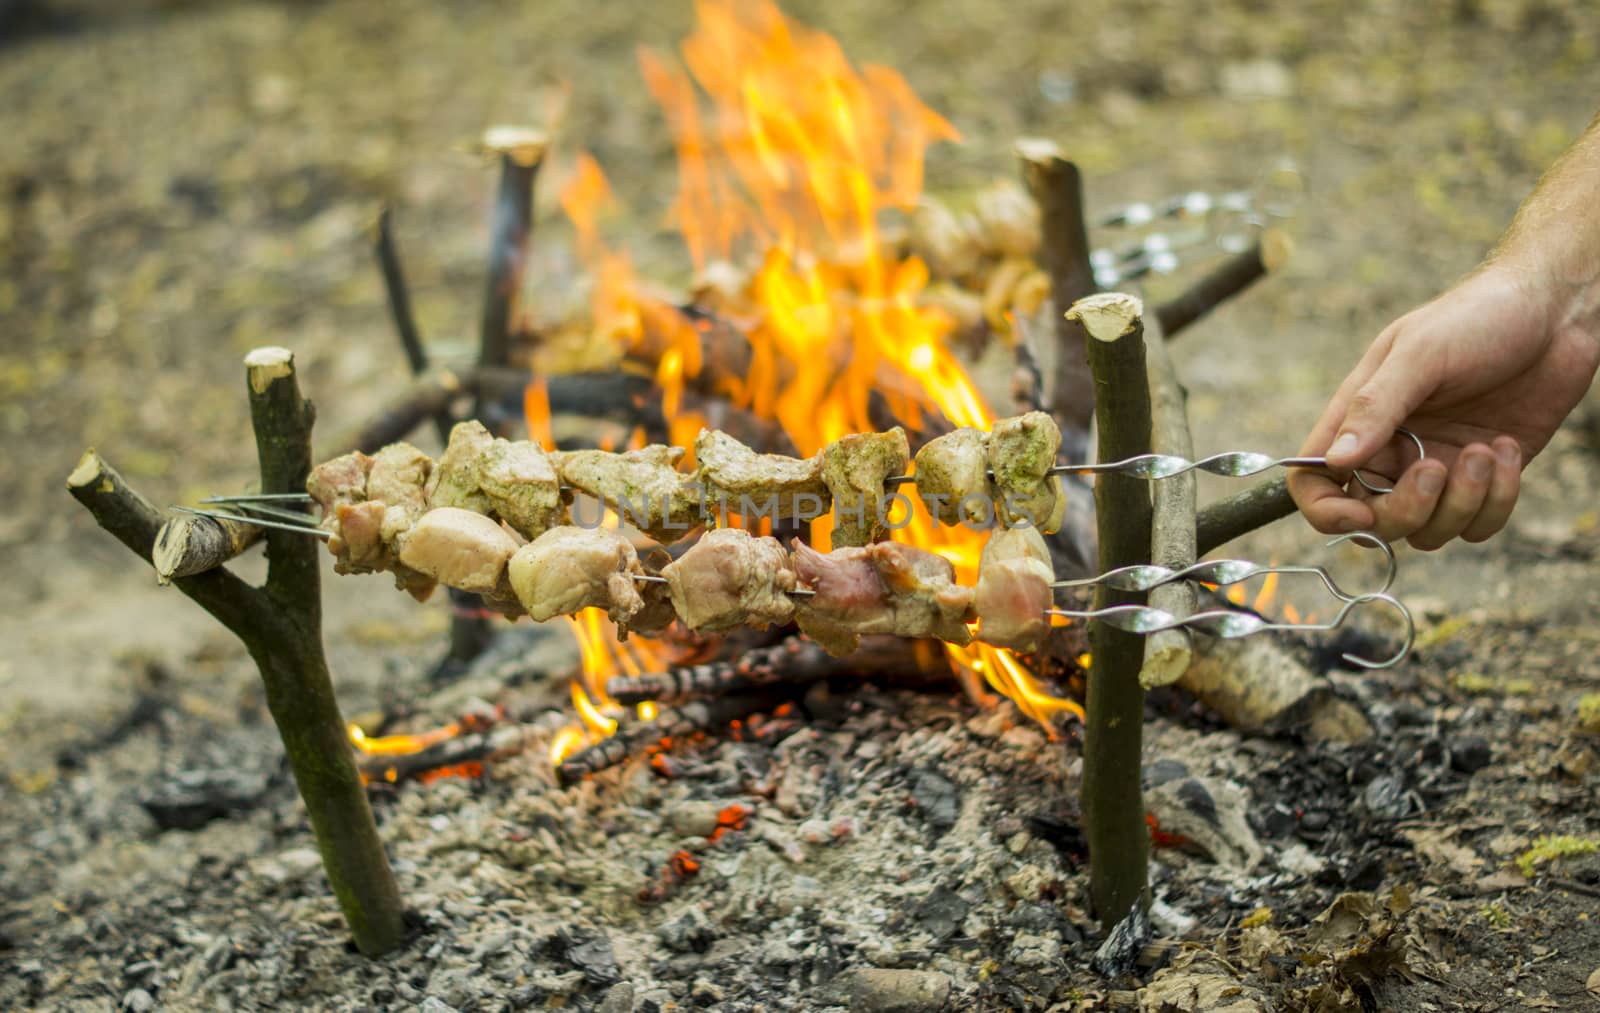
[[953, 478], [854, 469], [341, 480], [730, 578], [885, 587], [1014, 578], [568, 569], [459, 549], [396, 479], [1021, 452]]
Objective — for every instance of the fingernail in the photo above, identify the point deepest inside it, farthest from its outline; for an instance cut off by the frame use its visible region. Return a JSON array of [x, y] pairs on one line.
[[1430, 481], [1510, 454], [1345, 444], [1478, 468], [1348, 524]]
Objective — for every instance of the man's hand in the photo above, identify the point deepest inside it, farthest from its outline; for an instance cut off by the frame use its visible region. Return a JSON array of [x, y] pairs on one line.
[[1484, 374]]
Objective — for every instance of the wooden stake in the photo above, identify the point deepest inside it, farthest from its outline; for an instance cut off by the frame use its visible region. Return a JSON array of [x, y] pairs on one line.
[[405, 324], [280, 625], [1172, 535], [1112, 798], [1057, 187], [1256, 507], [1267, 254], [189, 545]]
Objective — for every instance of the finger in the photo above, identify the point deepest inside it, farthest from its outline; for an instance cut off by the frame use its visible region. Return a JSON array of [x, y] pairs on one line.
[[1327, 424], [1503, 491], [1326, 504], [1464, 494], [1392, 393], [1404, 511]]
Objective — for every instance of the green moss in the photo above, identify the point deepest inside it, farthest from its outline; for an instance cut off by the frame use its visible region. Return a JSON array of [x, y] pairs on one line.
[[1589, 713], [1550, 847]]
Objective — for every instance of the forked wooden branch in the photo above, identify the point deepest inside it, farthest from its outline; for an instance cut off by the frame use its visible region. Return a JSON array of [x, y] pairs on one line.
[[189, 545], [1112, 797], [1057, 188], [1267, 254], [280, 624]]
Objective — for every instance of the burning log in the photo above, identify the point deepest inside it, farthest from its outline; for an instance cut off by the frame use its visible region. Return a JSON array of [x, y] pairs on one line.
[[1258, 686], [670, 723], [191, 544], [1237, 515], [466, 753], [1167, 654], [1057, 187], [1267, 254], [794, 661], [1113, 809], [280, 624]]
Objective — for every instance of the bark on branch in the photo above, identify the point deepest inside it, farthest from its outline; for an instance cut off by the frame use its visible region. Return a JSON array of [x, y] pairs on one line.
[[189, 545], [280, 625], [1112, 799], [1256, 507], [1172, 536], [1267, 254], [1057, 187]]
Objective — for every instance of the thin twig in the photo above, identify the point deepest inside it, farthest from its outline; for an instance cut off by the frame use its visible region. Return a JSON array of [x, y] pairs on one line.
[[1267, 254], [1221, 522]]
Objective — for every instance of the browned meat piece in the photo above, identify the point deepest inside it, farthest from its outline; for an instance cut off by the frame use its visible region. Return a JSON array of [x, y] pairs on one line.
[[341, 480], [459, 549], [657, 612], [737, 479], [886, 587], [357, 543], [1021, 452], [730, 578], [854, 469], [454, 483], [568, 569], [953, 478], [642, 486], [1014, 578], [398, 474], [520, 481]]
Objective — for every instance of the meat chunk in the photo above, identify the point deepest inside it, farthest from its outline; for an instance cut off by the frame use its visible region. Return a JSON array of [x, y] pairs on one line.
[[568, 569], [341, 480], [738, 479], [459, 549], [642, 486], [885, 587], [455, 481], [357, 544], [1014, 577], [399, 473], [520, 482], [854, 469], [953, 478], [730, 578], [1021, 452]]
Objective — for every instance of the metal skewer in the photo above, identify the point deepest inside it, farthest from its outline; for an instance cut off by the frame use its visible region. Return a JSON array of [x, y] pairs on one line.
[[304, 529], [261, 497], [1229, 624], [1144, 577], [799, 592]]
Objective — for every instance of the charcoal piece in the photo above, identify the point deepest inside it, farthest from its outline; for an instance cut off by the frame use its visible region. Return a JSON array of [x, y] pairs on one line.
[[942, 912], [1387, 798], [938, 799], [1118, 956], [189, 799], [1470, 754], [590, 952], [690, 932]]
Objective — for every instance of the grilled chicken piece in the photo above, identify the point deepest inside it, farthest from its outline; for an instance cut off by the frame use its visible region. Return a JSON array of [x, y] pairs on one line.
[[736, 478], [455, 482], [341, 480], [520, 482], [730, 578], [1014, 578], [568, 569], [885, 587], [953, 478], [854, 469], [459, 549], [1021, 452], [357, 543], [399, 472], [642, 486]]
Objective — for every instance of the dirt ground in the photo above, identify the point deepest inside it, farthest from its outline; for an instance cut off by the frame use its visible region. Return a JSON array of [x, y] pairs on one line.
[[181, 181]]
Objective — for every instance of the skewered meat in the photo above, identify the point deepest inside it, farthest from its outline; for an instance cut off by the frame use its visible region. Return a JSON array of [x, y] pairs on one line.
[[455, 482], [459, 549], [1021, 452], [953, 477], [854, 468], [399, 472], [641, 485], [341, 480], [730, 578], [522, 487], [885, 587], [568, 569], [1014, 578], [769, 485], [357, 543]]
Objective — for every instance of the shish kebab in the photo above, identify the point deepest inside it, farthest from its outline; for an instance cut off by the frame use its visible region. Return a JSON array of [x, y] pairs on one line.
[[463, 523]]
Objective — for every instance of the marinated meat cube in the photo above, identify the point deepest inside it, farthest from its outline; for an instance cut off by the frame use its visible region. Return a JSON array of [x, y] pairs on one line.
[[886, 588], [455, 481], [520, 481], [642, 486], [854, 469], [1022, 450], [730, 578], [738, 479], [568, 569], [399, 472], [341, 480], [357, 543], [459, 549], [953, 478], [1014, 576]]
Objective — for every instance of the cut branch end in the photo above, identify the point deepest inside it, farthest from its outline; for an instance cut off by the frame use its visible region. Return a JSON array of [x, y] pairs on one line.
[[1108, 316]]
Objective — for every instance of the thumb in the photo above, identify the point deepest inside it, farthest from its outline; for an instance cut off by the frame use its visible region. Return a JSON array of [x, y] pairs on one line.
[[1387, 399]]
